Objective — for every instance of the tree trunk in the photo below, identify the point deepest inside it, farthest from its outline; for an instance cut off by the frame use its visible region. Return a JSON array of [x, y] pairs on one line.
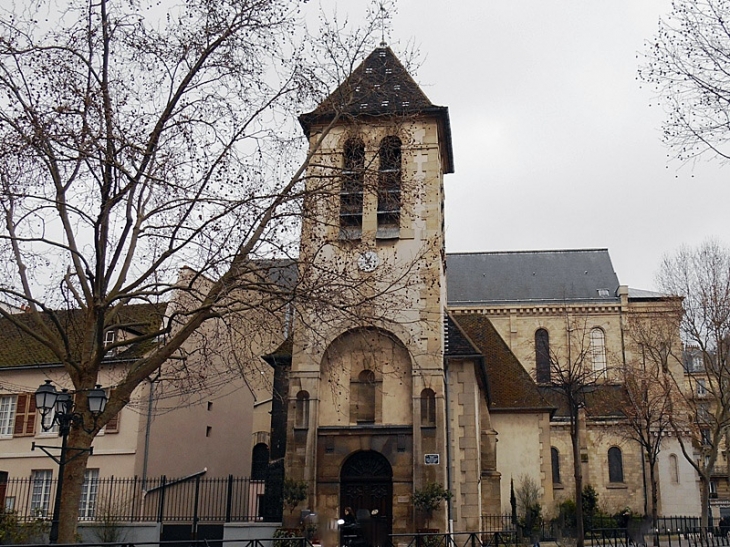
[[73, 480], [705, 500], [654, 498], [578, 474]]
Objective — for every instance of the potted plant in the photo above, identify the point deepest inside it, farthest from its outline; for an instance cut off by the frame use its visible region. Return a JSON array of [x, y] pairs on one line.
[[293, 494], [427, 499]]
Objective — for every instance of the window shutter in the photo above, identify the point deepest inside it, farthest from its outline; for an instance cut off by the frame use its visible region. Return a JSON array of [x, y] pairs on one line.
[[24, 415], [30, 417], [112, 425]]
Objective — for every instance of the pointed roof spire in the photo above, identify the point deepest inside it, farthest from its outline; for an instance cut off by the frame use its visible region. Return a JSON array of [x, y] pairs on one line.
[[382, 25], [380, 86]]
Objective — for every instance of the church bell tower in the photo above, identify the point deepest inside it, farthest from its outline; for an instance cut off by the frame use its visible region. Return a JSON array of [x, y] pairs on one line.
[[366, 410]]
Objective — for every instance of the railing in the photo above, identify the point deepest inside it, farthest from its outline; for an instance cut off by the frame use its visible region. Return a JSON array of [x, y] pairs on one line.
[[670, 532], [603, 537], [288, 542], [188, 499]]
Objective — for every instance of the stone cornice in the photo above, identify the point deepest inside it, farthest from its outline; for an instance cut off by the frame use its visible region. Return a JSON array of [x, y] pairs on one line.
[[540, 309]]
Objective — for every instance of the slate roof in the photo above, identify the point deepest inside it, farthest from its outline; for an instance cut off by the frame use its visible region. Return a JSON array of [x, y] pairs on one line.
[[641, 294], [602, 402], [381, 86], [510, 386], [530, 276], [19, 349]]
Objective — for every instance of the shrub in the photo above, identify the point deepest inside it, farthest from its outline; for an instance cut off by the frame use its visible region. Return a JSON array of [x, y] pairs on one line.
[[14, 531], [428, 499], [294, 493]]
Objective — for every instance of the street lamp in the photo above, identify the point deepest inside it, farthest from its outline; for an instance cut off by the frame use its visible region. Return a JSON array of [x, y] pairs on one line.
[[46, 400]]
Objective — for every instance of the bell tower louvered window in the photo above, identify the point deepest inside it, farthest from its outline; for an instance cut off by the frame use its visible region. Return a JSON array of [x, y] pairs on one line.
[[389, 188], [351, 191]]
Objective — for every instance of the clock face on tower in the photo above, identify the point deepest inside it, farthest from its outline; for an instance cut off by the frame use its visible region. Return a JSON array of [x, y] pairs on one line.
[[368, 261]]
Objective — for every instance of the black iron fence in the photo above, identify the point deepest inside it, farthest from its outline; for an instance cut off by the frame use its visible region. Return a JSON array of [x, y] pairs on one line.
[[603, 537], [188, 499]]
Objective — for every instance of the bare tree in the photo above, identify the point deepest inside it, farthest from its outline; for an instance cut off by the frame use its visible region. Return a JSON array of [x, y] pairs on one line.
[[137, 138], [687, 64], [653, 337], [574, 372], [701, 277]]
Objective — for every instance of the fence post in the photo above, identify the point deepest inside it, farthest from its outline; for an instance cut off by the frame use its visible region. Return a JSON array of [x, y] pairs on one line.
[[229, 498], [195, 508], [161, 508], [133, 508]]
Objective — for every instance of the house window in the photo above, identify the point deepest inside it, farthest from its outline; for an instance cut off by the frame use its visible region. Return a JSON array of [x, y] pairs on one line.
[[24, 415], [351, 191], [41, 493], [555, 461], [302, 410], [598, 350], [674, 468], [713, 489], [7, 415], [703, 413], [705, 436], [693, 360], [112, 426], [87, 503], [389, 188], [109, 337], [428, 407], [365, 397], [48, 423], [701, 387], [542, 356], [615, 465], [259, 462]]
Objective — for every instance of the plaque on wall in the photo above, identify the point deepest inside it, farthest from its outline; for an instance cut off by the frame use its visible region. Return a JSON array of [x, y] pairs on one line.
[[431, 459]]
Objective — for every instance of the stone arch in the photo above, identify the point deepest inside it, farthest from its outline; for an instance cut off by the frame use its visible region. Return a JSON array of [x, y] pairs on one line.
[[388, 365]]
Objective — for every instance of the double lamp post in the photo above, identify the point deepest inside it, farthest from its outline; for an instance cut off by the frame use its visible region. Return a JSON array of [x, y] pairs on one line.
[[61, 403]]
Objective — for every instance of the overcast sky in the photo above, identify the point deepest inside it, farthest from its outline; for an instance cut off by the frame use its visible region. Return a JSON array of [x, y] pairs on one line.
[[556, 143]]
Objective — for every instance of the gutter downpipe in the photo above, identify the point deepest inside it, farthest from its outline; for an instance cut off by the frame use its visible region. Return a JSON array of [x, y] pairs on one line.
[[449, 514], [147, 428]]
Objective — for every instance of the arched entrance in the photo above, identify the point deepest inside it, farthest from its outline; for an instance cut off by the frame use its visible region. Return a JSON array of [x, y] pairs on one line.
[[366, 485]]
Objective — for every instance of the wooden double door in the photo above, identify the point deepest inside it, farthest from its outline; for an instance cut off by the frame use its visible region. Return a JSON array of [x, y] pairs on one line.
[[366, 486]]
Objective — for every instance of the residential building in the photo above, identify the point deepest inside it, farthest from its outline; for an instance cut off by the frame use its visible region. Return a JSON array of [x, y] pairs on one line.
[[168, 428]]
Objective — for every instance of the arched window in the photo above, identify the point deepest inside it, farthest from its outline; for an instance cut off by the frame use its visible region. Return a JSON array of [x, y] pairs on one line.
[[364, 391], [428, 407], [555, 460], [389, 188], [598, 350], [351, 191], [259, 462], [673, 468], [615, 465], [302, 410], [542, 356]]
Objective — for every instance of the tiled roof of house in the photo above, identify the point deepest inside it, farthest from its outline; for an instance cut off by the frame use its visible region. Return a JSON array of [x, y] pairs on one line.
[[602, 402], [458, 343], [530, 276], [510, 386], [21, 349], [380, 86]]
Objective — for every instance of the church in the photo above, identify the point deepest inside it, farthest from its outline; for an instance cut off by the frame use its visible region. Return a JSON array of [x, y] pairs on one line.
[[441, 372]]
